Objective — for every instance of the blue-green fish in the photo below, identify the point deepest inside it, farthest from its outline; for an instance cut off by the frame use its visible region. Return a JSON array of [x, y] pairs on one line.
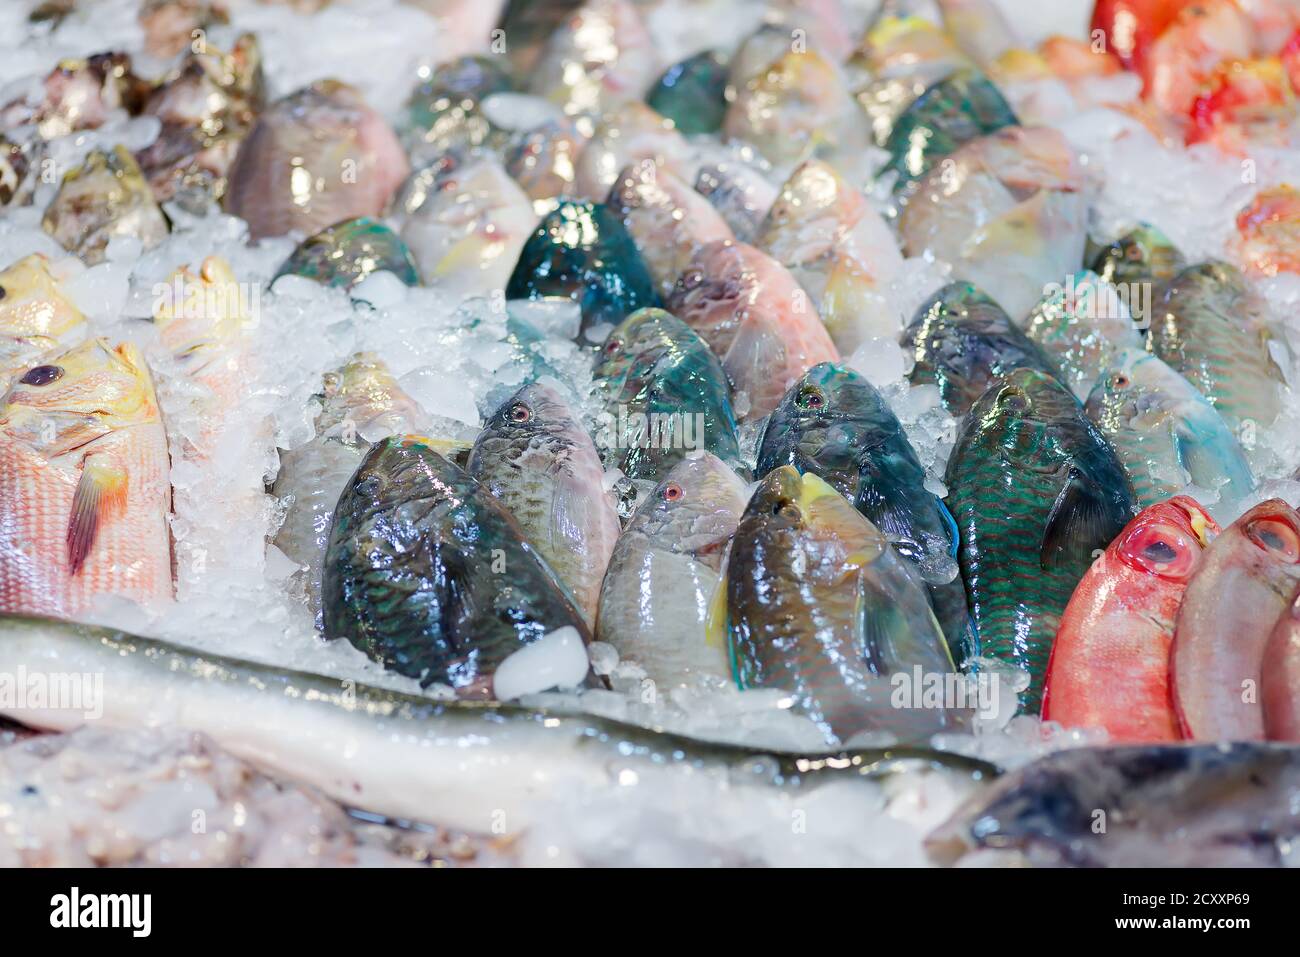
[[664, 394], [834, 424], [344, 254], [1165, 433]]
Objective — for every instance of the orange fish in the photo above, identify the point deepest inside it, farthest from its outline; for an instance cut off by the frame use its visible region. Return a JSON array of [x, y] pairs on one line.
[[35, 316], [84, 490], [759, 321], [1279, 680], [1110, 663]]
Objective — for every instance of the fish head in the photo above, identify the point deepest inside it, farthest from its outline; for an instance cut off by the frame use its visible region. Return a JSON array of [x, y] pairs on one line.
[[1166, 539], [1019, 414], [535, 416], [813, 209], [641, 334], [1273, 527], [198, 315], [84, 393], [802, 522], [1130, 382], [825, 421], [32, 306], [363, 392], [695, 509]]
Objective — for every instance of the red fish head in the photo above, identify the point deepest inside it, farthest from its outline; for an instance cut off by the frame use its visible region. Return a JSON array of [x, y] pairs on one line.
[[1166, 539], [1274, 528]]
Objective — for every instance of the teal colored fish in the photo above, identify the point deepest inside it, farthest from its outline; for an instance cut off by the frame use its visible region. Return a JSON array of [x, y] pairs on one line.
[[953, 111], [430, 575], [344, 254], [692, 93], [834, 424], [1036, 490], [818, 604], [443, 112], [665, 394], [961, 340], [583, 251], [1165, 433]]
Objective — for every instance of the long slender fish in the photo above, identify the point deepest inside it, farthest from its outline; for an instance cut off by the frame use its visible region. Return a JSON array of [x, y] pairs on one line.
[[654, 603], [1036, 491], [1241, 589], [1110, 662], [1219, 805], [818, 604], [470, 766], [1165, 433], [535, 456], [84, 490], [835, 424], [429, 574]]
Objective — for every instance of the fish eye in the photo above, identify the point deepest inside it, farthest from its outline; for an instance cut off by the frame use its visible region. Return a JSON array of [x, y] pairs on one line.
[[1162, 550], [1013, 399], [692, 278], [520, 413], [671, 492], [1273, 535], [42, 375], [613, 346], [785, 508], [1120, 381], [810, 397], [3, 292]]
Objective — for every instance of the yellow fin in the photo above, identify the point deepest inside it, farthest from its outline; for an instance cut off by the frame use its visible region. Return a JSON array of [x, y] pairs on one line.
[[101, 491]]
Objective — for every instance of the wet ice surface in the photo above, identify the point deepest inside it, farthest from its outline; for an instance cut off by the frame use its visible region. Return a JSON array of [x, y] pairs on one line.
[[240, 598]]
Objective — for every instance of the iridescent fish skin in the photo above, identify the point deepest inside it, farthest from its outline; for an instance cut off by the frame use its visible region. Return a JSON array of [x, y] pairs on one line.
[[1083, 324], [84, 489], [1110, 662], [1008, 211], [316, 157], [836, 425], [359, 401], [598, 57], [1212, 805], [1164, 432], [410, 579], [35, 315], [536, 458], [830, 238], [667, 219], [583, 251], [1210, 327], [902, 56], [692, 93], [756, 318], [662, 577], [105, 197], [443, 112], [961, 340], [953, 111], [347, 252], [1279, 683], [1233, 602], [1035, 491], [818, 604], [654, 365], [467, 235], [1138, 264], [740, 194]]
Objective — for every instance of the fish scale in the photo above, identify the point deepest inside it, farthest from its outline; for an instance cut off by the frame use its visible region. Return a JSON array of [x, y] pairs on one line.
[[1025, 445]]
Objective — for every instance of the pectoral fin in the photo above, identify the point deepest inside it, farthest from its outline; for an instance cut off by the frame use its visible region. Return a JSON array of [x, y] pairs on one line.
[[1080, 521], [101, 493]]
